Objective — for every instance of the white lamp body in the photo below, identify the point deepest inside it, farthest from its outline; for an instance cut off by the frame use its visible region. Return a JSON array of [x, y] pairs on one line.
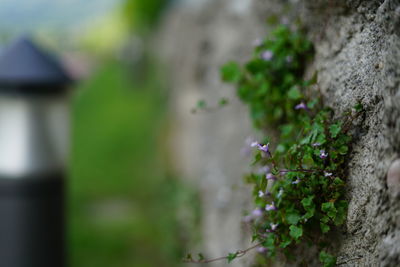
[[33, 135]]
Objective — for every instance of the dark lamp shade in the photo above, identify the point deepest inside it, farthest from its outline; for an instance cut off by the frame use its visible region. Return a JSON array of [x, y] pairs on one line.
[[27, 69]]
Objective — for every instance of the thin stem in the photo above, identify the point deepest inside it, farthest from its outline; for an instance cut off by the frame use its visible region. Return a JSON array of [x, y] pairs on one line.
[[207, 109], [302, 170], [347, 124], [239, 253]]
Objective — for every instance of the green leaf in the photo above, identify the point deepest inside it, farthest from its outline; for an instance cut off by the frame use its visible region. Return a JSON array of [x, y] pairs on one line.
[[334, 129], [340, 218], [278, 112], [263, 89], [307, 202], [201, 104], [308, 159], [201, 256], [311, 104], [269, 242], [296, 231], [309, 214], [358, 107], [287, 129], [327, 259], [231, 72], [223, 102], [294, 93], [324, 227], [314, 78], [306, 140], [257, 158], [309, 206], [293, 217], [343, 150], [329, 208], [325, 219], [342, 204], [280, 148], [338, 181], [321, 138], [231, 257], [341, 215], [286, 241]]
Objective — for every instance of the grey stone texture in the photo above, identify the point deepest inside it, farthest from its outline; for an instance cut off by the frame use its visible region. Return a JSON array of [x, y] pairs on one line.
[[358, 60]]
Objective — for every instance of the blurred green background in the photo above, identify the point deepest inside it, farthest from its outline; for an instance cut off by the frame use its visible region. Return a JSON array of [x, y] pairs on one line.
[[125, 206], [122, 205]]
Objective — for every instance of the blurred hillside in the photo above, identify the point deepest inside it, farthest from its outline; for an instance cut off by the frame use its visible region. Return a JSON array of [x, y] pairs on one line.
[[57, 17]]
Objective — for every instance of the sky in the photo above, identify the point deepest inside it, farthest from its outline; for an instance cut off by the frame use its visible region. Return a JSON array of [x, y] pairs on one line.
[[22, 16]]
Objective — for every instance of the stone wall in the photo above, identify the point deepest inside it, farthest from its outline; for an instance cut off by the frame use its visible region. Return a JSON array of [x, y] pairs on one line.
[[357, 59]]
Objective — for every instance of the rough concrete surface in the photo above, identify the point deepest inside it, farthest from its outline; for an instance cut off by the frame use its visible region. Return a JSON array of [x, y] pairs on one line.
[[357, 59]]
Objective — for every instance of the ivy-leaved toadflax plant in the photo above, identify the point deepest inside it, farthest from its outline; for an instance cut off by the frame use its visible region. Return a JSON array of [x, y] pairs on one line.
[[299, 195]]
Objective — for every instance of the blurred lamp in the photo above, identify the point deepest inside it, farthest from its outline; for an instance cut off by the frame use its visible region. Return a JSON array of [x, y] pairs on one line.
[[33, 150]]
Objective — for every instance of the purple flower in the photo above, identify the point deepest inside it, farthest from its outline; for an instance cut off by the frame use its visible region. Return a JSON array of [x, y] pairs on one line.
[[297, 181], [254, 143], [264, 148], [283, 171], [280, 193], [316, 144], [323, 154], [274, 226], [264, 169], [270, 207], [289, 59], [257, 42], [270, 176], [327, 174], [261, 147], [267, 55], [262, 250], [263, 193], [249, 140], [257, 213], [300, 106]]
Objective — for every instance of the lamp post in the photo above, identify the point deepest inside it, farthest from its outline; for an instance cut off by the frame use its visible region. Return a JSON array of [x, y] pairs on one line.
[[33, 148]]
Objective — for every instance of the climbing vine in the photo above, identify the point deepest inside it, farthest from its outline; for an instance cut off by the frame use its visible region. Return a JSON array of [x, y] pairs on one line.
[[300, 174]]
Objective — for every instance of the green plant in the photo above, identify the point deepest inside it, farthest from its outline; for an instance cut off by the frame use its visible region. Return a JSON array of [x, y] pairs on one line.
[[300, 183], [271, 83], [300, 192]]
